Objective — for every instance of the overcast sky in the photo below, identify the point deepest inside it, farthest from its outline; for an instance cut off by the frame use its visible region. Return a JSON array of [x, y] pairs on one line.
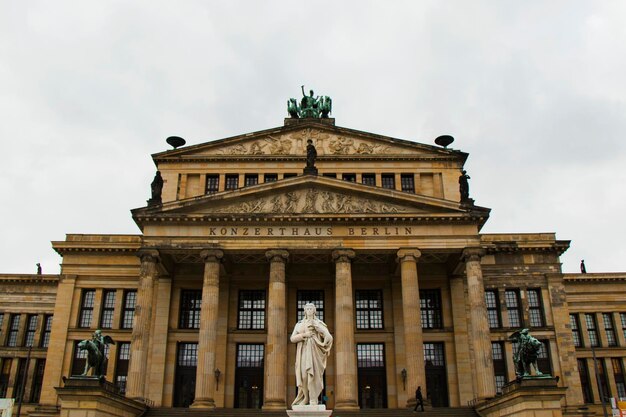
[[534, 91]]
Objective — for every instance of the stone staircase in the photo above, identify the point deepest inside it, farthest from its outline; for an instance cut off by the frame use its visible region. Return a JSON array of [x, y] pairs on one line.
[[240, 412]]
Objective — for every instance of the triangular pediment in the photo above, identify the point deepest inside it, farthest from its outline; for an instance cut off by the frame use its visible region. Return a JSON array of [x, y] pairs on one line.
[[312, 196], [291, 141]]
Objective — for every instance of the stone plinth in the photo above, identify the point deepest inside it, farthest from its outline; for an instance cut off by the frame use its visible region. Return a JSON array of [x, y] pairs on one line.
[[528, 397], [309, 411], [93, 397]]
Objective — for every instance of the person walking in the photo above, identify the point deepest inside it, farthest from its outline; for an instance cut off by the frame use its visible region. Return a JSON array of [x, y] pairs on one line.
[[419, 399]]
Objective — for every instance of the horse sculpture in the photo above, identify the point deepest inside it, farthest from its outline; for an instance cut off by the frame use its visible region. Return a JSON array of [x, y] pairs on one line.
[[526, 357], [95, 353]]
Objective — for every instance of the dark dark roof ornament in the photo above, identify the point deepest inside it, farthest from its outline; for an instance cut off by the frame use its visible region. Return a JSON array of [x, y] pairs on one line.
[[176, 141], [444, 140], [310, 107]]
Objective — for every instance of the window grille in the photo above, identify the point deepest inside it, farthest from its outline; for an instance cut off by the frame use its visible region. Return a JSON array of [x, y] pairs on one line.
[[190, 303], [251, 310], [430, 305], [609, 329], [270, 177], [583, 371], [250, 355], [212, 184], [31, 329], [121, 366], [573, 321], [349, 177], [128, 313], [370, 355], [592, 331], [388, 181], [369, 309], [251, 179], [108, 306], [369, 179], [315, 297], [535, 308], [493, 309], [513, 307], [86, 308], [232, 181], [14, 327], [407, 181]]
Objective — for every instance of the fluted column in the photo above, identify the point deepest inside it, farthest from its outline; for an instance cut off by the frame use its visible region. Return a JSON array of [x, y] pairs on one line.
[[479, 334], [207, 337], [275, 385], [141, 327], [412, 320], [345, 351]]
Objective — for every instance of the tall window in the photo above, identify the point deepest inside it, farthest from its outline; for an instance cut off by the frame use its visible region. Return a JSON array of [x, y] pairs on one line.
[[408, 183], [434, 355], [47, 330], [575, 325], [369, 179], [232, 181], [18, 388], [535, 312], [121, 366], [270, 177], [430, 305], [369, 309], [622, 318], [251, 310], [314, 297], [86, 308], [389, 181], [543, 358], [79, 360], [40, 367], [190, 302], [251, 179], [1, 321], [5, 372], [349, 177], [602, 377], [128, 312], [513, 307], [618, 374], [583, 371], [370, 355], [14, 327], [592, 330], [609, 329], [499, 365], [31, 329], [212, 184], [493, 309], [108, 305]]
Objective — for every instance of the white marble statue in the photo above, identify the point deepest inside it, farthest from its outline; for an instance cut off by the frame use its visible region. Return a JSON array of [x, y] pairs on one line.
[[314, 343]]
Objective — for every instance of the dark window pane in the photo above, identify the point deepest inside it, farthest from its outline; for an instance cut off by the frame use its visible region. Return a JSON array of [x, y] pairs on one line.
[[40, 366], [232, 181], [590, 321], [430, 305], [271, 177], [388, 181], [250, 355], [369, 309], [349, 177], [535, 308], [128, 313], [212, 184], [513, 307], [108, 306], [121, 366], [190, 302], [14, 327], [370, 355], [573, 320], [251, 179], [86, 310], [314, 297], [369, 179], [47, 330], [493, 309], [408, 183], [251, 310], [609, 329]]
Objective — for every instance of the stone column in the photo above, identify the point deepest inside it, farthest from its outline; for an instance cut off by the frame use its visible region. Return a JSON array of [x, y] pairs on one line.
[[479, 333], [345, 351], [207, 338], [412, 320], [276, 347], [140, 338]]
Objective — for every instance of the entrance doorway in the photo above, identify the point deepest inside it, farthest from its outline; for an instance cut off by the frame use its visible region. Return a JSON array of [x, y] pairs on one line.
[[371, 375], [249, 376], [185, 377], [436, 378]]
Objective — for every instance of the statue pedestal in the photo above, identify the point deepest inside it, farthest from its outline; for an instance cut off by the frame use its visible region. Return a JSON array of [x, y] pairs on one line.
[[310, 171], [309, 411], [88, 396]]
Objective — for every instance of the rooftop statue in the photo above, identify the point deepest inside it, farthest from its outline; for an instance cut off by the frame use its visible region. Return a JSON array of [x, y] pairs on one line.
[[527, 353], [95, 353], [310, 107]]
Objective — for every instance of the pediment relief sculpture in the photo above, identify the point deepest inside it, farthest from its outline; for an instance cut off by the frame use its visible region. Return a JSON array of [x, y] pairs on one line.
[[312, 201]]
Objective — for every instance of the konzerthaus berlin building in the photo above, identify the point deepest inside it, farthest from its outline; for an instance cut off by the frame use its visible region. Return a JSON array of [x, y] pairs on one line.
[[201, 302]]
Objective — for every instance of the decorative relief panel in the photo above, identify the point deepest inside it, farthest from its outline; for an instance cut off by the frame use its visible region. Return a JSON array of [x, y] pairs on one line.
[[311, 201]]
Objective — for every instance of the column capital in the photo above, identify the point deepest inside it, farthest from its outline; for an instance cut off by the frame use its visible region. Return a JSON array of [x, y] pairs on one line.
[[343, 255], [473, 254], [277, 255], [149, 255], [409, 254], [211, 255]]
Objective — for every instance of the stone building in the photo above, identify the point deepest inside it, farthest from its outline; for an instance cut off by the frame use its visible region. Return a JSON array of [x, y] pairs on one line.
[[202, 301]]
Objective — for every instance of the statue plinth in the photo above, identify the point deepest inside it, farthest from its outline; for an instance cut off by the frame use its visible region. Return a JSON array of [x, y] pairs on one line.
[[289, 121], [309, 411], [310, 171]]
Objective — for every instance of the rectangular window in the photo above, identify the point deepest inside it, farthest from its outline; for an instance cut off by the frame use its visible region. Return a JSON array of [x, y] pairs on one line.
[[434, 355], [35, 393], [79, 359], [212, 184], [14, 327], [349, 177], [618, 374], [513, 307], [47, 331], [108, 305], [604, 383], [575, 325], [31, 329], [535, 308], [289, 175], [270, 177], [389, 181], [86, 308], [369, 309], [369, 179], [251, 179], [622, 318], [250, 355], [583, 371], [430, 306], [128, 312], [251, 310], [370, 355], [1, 321], [592, 330], [314, 297], [121, 366], [190, 302], [407, 181], [493, 309], [188, 354], [609, 329], [232, 181], [18, 388], [5, 373], [543, 358], [499, 365], [329, 175]]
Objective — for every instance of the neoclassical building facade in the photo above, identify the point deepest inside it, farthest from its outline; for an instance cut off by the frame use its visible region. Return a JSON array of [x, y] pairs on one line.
[[382, 239]]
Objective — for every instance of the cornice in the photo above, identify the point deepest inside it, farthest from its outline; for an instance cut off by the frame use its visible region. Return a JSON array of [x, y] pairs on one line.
[[558, 247], [29, 278], [63, 248], [296, 158], [595, 277]]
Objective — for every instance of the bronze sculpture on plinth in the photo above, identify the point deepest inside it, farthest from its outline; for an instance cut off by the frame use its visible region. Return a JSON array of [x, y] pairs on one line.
[[95, 353]]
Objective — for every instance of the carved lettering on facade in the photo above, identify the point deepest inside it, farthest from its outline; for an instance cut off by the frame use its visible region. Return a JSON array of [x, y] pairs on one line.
[[321, 231]]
